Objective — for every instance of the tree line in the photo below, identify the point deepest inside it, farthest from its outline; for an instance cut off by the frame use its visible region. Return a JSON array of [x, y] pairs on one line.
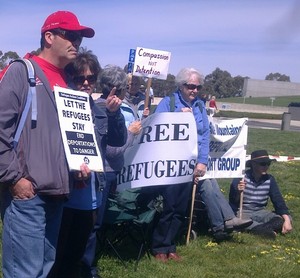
[[219, 83]]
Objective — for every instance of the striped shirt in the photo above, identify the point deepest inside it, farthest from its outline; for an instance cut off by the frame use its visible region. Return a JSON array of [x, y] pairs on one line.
[[257, 194]]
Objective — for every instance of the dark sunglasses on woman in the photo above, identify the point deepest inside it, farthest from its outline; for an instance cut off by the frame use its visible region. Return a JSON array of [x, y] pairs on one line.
[[80, 79]]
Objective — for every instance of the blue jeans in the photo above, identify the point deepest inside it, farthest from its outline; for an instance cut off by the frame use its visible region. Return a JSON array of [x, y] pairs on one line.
[[259, 217], [218, 208], [175, 203], [90, 250], [29, 238]]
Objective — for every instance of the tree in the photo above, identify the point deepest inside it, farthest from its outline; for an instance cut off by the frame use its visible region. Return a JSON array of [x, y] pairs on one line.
[[219, 83], [238, 83], [278, 77], [7, 57], [163, 88]]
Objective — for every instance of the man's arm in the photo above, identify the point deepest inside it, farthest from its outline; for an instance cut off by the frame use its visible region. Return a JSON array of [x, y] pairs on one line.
[[13, 92]]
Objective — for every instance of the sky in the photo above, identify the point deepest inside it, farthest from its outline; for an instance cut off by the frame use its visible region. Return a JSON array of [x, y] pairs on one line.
[[244, 37]]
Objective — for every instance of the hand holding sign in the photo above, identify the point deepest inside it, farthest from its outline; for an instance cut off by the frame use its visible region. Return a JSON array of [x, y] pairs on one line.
[[186, 109], [200, 170], [113, 103], [146, 112], [84, 172], [135, 127]]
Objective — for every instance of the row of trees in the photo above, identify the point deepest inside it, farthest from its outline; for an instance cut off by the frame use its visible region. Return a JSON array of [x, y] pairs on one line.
[[219, 83]]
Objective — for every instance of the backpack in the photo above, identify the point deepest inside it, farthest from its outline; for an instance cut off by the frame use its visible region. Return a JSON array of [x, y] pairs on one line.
[[31, 99]]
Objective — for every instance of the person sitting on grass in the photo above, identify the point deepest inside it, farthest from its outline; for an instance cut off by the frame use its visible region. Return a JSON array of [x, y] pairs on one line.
[[257, 187]]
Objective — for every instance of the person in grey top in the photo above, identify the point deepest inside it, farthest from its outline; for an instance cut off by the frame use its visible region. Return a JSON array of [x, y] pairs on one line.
[[34, 177]]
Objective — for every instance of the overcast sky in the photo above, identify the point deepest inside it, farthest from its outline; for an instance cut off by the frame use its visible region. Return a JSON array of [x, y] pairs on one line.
[[245, 37]]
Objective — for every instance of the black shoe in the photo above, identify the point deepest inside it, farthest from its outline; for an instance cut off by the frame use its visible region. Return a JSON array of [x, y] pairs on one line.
[[263, 231], [221, 236]]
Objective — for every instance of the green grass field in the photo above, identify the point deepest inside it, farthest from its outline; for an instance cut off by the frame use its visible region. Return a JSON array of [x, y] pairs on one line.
[[278, 101], [245, 256]]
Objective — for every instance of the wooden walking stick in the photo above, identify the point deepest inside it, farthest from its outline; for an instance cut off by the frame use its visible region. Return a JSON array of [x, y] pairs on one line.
[[191, 213], [241, 202]]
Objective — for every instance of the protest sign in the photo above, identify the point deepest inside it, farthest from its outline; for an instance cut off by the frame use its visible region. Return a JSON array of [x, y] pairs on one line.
[[227, 152], [151, 63], [77, 129], [163, 153]]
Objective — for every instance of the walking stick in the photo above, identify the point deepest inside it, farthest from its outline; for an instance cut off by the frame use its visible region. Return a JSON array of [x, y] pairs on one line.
[[191, 213], [241, 202]]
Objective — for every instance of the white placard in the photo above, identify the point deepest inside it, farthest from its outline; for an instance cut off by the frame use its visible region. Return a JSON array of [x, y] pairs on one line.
[[77, 129], [164, 153], [151, 63], [159, 156], [227, 148]]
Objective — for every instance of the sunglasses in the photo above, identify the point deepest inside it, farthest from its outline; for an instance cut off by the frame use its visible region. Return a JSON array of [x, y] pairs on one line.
[[192, 86], [80, 79], [71, 36]]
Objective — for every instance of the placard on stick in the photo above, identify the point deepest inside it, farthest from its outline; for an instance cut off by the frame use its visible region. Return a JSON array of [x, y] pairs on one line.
[[77, 129], [151, 63]]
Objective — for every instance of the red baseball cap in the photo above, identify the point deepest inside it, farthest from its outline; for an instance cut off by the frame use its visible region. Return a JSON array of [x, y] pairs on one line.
[[67, 21]]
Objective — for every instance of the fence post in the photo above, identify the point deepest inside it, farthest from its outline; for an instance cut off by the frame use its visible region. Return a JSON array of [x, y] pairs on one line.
[[286, 121]]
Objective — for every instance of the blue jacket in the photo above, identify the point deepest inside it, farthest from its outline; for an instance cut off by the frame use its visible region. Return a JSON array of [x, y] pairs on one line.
[[200, 118]]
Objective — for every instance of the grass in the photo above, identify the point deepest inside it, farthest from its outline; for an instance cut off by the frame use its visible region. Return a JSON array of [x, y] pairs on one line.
[[245, 256], [278, 101], [250, 115]]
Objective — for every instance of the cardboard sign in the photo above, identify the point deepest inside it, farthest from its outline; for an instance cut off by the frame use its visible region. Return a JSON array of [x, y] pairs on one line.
[[151, 63], [77, 129]]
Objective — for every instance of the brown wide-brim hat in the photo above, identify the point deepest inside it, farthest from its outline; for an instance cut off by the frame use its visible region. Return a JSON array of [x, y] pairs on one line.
[[259, 156]]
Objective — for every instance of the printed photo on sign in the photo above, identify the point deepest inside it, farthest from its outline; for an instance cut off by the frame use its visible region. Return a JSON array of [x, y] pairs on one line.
[[77, 129]]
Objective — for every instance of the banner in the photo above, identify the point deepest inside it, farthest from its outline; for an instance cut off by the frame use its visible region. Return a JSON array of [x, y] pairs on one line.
[[227, 148], [150, 63], [77, 129], [163, 153]]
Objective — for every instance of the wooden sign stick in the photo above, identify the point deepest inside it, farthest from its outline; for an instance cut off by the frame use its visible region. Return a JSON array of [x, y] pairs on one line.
[[149, 82]]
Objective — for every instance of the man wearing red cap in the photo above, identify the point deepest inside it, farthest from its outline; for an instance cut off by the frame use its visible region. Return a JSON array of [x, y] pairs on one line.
[[34, 176]]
